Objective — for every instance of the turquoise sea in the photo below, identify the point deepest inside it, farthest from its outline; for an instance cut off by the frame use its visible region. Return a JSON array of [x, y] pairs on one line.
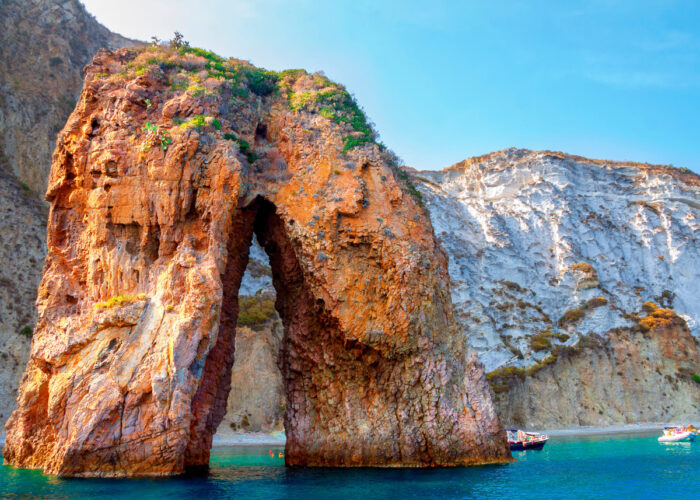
[[609, 466]]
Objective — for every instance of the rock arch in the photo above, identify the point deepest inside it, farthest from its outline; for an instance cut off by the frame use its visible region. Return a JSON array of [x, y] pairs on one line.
[[148, 241]]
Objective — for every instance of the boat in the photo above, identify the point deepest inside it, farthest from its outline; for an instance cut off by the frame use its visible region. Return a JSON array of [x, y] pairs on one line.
[[521, 440], [680, 434]]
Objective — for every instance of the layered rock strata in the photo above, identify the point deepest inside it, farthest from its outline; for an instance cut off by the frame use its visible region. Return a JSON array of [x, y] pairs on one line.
[[171, 161]]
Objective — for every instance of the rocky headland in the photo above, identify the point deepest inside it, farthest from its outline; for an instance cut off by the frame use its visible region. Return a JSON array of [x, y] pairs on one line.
[[551, 256], [171, 161]]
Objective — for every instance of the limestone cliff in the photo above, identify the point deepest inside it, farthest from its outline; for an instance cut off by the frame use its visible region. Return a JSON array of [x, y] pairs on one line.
[[548, 250], [171, 161]]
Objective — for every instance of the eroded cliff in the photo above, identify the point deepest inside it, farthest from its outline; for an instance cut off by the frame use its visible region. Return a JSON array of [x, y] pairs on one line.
[[171, 161], [44, 45], [629, 375], [548, 254], [549, 250]]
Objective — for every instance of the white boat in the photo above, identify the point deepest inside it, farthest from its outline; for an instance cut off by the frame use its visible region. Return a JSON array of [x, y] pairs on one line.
[[676, 435]]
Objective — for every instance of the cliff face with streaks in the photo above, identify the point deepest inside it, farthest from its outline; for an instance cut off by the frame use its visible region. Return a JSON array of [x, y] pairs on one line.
[[626, 376], [548, 251], [171, 161]]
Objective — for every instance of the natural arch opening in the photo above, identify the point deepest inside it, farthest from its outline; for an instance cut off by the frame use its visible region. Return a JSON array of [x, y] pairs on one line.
[[332, 385], [258, 222], [256, 401]]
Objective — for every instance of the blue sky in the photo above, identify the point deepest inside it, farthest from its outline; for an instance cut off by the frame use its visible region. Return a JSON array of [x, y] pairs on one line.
[[446, 80]]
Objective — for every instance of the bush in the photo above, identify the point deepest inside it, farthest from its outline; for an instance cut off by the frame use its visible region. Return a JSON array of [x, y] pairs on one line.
[[571, 316], [513, 286], [155, 135], [255, 310], [120, 301], [540, 342], [199, 121], [696, 377], [243, 146], [656, 317], [583, 267], [596, 302], [28, 331]]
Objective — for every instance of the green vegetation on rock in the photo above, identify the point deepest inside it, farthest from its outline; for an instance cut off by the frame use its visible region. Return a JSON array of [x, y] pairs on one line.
[[254, 310], [120, 301]]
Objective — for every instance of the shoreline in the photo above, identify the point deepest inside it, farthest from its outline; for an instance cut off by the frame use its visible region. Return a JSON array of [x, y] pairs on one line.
[[279, 438], [249, 439], [607, 429]]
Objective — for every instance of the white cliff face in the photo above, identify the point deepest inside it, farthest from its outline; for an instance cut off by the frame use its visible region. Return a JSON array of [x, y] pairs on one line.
[[534, 235], [258, 274]]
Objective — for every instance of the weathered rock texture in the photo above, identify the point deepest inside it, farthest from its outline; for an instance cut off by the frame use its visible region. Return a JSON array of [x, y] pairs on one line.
[[155, 196], [43, 46], [547, 251], [257, 401], [22, 251], [534, 235], [628, 376]]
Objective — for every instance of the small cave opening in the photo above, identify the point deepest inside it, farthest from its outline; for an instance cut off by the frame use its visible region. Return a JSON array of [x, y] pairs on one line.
[[260, 133]]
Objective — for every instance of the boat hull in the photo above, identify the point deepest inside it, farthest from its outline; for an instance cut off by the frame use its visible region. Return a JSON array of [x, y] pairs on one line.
[[683, 437], [522, 446]]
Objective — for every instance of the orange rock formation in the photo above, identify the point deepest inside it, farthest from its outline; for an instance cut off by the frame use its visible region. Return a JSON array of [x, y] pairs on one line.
[[171, 161]]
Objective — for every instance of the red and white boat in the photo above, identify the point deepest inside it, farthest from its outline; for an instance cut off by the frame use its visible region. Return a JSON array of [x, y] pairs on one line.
[[521, 440]]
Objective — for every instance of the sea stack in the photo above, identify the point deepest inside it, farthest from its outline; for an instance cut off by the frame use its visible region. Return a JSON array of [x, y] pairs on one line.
[[172, 160]]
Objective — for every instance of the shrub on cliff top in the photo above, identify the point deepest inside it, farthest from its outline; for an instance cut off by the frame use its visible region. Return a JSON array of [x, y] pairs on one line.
[[332, 101], [656, 317]]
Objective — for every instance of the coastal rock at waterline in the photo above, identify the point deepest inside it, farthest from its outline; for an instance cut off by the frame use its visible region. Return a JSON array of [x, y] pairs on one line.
[[629, 376], [169, 164]]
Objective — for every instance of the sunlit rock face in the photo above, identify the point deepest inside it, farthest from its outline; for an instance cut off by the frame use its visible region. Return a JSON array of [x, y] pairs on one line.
[[170, 163], [532, 236], [44, 45], [551, 257]]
